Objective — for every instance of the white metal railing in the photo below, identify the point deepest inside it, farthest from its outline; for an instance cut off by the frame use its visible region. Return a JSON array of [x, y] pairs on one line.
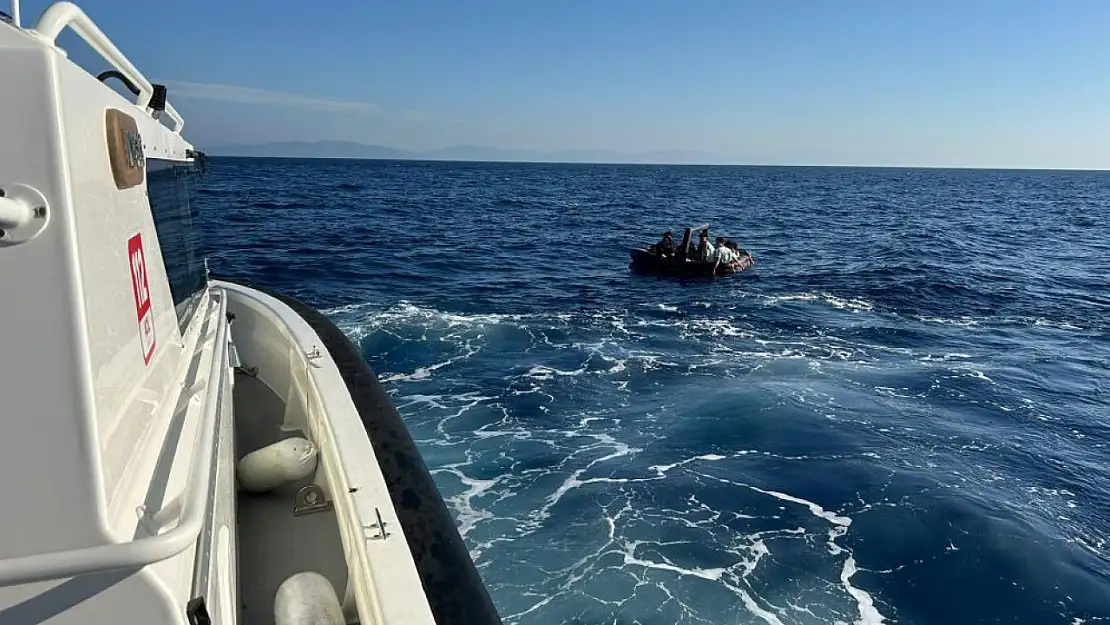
[[144, 551], [62, 14]]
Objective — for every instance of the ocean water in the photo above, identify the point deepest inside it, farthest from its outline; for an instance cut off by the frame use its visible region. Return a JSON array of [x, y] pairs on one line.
[[900, 415]]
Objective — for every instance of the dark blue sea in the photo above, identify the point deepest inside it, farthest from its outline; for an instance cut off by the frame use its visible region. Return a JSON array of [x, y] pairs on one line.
[[899, 415]]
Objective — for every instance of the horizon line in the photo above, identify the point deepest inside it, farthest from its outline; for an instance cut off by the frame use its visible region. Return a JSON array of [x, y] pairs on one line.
[[668, 164]]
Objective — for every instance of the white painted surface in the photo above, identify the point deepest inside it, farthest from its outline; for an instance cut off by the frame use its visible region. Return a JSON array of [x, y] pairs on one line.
[[50, 439], [188, 514], [89, 425], [224, 580]]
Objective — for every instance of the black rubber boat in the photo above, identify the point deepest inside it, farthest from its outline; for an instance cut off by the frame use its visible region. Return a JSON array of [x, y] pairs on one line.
[[647, 261]]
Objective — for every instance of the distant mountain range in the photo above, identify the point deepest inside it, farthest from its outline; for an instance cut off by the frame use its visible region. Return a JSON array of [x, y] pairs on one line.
[[349, 149]]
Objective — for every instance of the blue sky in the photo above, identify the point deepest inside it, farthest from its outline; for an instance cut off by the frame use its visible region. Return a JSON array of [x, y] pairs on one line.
[[1009, 83]]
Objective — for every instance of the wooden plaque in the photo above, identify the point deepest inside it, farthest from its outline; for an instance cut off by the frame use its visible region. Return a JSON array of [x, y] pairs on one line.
[[125, 149]]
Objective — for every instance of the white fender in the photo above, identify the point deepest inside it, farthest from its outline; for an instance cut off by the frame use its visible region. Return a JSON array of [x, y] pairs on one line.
[[307, 598], [285, 461]]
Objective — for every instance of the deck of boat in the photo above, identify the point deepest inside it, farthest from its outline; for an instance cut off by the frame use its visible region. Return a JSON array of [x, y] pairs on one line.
[[273, 543]]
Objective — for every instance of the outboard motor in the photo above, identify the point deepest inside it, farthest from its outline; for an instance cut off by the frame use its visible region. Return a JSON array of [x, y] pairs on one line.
[[684, 250]]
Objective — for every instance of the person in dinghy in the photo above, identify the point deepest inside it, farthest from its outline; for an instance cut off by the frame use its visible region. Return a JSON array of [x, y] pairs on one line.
[[723, 254]]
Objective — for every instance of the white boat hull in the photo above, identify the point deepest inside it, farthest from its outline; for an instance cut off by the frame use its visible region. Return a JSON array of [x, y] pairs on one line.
[[133, 386]]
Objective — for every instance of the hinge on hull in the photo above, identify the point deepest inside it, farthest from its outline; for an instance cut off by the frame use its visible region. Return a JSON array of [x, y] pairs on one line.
[[310, 499]]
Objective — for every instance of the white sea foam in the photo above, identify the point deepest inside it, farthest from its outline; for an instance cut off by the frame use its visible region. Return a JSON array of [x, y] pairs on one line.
[[853, 304], [868, 614], [600, 352], [467, 514], [541, 372]]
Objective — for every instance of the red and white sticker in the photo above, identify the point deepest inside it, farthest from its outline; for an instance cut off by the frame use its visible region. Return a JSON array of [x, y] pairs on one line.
[[141, 287]]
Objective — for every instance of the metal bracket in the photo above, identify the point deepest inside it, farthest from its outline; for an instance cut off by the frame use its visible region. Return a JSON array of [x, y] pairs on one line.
[[313, 355], [233, 353], [379, 526], [247, 371], [309, 500], [197, 612]]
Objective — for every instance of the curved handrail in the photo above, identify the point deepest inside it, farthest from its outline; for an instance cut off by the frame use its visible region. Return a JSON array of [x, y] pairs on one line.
[[62, 14], [178, 120], [144, 551]]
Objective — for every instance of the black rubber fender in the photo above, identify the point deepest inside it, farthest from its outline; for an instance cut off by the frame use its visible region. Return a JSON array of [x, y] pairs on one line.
[[451, 582]]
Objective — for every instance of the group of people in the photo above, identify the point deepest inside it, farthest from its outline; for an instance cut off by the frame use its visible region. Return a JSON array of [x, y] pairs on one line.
[[724, 251]]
